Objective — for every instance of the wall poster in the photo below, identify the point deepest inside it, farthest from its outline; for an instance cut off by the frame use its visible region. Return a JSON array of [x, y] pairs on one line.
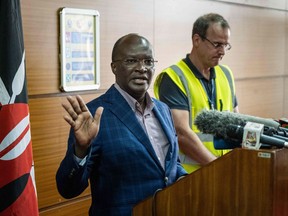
[[79, 51]]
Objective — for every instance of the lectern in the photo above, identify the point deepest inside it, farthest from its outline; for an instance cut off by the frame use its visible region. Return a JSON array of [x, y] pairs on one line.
[[241, 183]]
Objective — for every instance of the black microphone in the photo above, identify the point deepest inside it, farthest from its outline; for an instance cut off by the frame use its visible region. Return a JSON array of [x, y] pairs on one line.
[[215, 122], [236, 132], [280, 133], [222, 144]]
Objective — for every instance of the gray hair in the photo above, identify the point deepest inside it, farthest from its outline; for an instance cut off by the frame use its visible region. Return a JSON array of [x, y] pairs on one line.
[[201, 25]]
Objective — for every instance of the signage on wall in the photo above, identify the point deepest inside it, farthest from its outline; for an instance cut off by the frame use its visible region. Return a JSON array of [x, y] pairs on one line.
[[79, 51]]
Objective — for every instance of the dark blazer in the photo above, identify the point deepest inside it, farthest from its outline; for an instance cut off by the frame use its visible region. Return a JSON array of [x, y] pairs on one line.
[[122, 166]]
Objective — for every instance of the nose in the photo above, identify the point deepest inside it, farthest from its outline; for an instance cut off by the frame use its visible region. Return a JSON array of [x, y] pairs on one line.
[[221, 50], [143, 66]]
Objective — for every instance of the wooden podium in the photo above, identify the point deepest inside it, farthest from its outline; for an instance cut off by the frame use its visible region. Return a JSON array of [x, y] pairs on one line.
[[241, 183]]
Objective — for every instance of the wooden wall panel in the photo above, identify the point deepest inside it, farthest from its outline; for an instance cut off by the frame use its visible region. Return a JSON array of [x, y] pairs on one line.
[[264, 98], [285, 98], [275, 4], [79, 207], [257, 39], [49, 135]]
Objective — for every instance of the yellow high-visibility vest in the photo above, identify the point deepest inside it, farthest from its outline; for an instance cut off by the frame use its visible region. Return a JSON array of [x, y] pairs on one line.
[[188, 83]]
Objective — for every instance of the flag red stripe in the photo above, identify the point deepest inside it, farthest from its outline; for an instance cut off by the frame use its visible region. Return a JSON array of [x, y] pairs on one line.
[[13, 144]]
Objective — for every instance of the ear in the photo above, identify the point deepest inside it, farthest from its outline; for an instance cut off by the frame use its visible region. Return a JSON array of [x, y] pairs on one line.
[[113, 67], [196, 39]]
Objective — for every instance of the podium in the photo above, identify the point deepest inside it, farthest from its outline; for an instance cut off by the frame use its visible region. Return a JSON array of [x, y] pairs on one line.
[[241, 183]]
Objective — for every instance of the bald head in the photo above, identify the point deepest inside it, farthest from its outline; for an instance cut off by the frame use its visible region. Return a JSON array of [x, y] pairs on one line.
[[129, 41]]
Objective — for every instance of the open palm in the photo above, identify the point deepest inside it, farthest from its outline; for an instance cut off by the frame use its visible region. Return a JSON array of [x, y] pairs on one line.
[[85, 125]]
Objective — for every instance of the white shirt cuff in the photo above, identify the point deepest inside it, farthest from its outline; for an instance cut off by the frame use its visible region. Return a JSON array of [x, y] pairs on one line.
[[80, 161]]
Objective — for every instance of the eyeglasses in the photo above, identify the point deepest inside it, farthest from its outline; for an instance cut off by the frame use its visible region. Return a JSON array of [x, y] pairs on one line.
[[133, 62], [218, 45]]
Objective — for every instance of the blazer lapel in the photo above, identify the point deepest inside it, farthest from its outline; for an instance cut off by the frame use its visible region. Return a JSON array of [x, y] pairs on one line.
[[121, 109], [165, 126]]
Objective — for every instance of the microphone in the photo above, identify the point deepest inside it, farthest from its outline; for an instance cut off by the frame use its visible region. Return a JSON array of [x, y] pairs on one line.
[[214, 122], [236, 132], [218, 124], [221, 144], [224, 144]]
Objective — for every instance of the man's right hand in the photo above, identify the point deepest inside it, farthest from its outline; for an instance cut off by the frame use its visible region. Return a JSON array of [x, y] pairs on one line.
[[85, 126]]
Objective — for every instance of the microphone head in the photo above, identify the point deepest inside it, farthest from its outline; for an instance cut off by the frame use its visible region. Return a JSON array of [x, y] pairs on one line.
[[266, 121], [216, 123]]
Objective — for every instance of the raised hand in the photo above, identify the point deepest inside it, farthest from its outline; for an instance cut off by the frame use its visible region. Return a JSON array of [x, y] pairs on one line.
[[85, 126]]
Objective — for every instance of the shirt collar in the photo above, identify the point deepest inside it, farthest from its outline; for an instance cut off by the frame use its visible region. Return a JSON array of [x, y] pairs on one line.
[[133, 103], [196, 71]]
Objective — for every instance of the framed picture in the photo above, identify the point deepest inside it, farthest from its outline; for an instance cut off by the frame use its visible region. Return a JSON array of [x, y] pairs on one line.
[[79, 51]]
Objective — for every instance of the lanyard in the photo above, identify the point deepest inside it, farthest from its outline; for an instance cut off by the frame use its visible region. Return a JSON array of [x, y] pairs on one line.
[[211, 97]]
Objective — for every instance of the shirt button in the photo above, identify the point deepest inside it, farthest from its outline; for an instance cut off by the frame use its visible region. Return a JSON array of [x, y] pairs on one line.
[[166, 179]]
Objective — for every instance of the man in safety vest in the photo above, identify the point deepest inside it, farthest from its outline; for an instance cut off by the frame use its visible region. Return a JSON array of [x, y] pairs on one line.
[[198, 82]]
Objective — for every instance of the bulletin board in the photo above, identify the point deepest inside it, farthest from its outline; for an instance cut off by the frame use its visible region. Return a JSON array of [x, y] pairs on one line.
[[79, 49]]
